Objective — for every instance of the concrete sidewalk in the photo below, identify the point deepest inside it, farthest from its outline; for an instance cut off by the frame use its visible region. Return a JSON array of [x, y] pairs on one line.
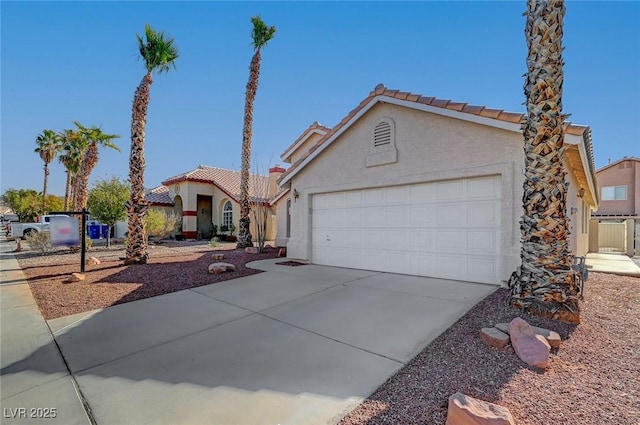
[[618, 264], [35, 385], [293, 345]]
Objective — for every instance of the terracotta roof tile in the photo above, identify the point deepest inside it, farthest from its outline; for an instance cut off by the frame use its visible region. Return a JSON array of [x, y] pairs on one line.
[[456, 106], [158, 196], [490, 113], [315, 126], [426, 100], [227, 180], [499, 114], [440, 103]]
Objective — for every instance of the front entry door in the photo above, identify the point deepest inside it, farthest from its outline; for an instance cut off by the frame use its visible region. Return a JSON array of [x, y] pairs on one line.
[[204, 216]]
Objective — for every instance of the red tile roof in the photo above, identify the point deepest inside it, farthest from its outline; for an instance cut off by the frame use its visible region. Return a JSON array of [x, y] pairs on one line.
[[482, 111], [315, 126], [159, 196], [227, 180]]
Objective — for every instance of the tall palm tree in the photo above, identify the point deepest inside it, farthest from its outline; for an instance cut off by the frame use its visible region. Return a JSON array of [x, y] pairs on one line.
[[159, 54], [260, 35], [544, 284], [73, 146], [93, 137], [48, 147]]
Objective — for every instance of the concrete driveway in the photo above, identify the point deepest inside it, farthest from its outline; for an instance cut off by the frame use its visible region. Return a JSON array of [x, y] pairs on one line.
[[293, 345]]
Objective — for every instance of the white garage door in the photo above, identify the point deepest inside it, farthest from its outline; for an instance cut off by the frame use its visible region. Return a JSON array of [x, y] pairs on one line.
[[448, 229]]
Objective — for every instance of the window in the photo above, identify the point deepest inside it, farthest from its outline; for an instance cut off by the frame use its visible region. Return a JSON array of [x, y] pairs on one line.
[[382, 147], [614, 193], [227, 214]]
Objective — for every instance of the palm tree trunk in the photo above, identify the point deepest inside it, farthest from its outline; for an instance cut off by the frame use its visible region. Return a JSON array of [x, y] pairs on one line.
[[44, 189], [67, 190], [244, 233], [137, 206], [81, 189], [545, 283]]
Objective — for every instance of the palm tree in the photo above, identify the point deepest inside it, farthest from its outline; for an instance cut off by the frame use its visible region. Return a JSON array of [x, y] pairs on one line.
[[48, 146], [260, 35], [92, 137], [159, 54], [73, 146], [544, 284]]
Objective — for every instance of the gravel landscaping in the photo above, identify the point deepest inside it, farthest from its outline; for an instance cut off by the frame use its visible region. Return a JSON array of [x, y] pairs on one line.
[[171, 267], [591, 379]]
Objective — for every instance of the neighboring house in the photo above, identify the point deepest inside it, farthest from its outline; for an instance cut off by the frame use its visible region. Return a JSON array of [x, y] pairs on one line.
[[421, 186], [210, 195], [616, 224]]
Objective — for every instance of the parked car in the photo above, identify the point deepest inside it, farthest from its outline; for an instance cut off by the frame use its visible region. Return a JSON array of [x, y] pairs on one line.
[[22, 230]]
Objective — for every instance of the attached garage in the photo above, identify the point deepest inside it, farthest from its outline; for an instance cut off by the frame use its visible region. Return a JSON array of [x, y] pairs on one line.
[[448, 229], [421, 186]]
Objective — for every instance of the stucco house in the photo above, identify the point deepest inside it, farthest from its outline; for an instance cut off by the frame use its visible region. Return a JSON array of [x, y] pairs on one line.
[[421, 186], [210, 195], [616, 224]]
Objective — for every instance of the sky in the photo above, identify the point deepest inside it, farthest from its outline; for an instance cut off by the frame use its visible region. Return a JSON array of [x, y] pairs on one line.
[[78, 61]]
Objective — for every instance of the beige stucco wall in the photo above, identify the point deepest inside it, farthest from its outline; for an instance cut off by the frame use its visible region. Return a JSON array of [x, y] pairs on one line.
[[579, 238], [430, 147], [189, 192], [280, 208]]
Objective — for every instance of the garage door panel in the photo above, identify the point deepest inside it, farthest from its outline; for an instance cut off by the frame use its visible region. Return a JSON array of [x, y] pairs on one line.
[[450, 267], [421, 216], [374, 217], [374, 197], [451, 215], [482, 214], [422, 193], [484, 187], [483, 269], [450, 240], [449, 229], [450, 190], [479, 242]]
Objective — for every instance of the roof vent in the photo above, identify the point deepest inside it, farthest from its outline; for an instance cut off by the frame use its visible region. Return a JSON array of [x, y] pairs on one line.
[[382, 134]]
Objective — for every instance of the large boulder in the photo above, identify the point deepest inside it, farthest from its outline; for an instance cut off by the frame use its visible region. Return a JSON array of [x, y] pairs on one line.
[[217, 268], [465, 410], [92, 261], [251, 250], [532, 349]]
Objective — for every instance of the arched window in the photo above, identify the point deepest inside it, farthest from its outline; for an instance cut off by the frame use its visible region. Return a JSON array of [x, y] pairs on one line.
[[227, 214]]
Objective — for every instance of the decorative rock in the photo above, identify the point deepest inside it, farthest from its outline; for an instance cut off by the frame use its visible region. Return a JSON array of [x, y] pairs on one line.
[[282, 252], [552, 337], [531, 348], [465, 410], [251, 250], [217, 256], [494, 337], [77, 277], [217, 268], [92, 261]]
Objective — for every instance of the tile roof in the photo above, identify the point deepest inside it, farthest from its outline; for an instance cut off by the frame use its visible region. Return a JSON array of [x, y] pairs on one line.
[[158, 196], [626, 158], [482, 111], [315, 126], [227, 180]]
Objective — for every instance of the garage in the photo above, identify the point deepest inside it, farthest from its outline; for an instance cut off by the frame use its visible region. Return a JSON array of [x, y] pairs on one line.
[[448, 229]]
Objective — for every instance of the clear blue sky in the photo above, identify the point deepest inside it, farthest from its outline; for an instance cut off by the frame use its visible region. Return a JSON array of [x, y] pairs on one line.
[[66, 61]]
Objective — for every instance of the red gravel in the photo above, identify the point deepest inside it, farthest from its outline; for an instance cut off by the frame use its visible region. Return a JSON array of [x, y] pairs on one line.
[[592, 379], [171, 267]]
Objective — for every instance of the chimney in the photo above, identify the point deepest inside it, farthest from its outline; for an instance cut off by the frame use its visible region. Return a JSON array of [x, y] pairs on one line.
[[274, 175]]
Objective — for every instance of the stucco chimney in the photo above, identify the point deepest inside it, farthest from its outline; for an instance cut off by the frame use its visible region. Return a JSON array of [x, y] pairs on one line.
[[274, 175]]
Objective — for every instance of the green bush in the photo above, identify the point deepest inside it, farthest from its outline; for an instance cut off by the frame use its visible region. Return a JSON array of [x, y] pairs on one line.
[[40, 241]]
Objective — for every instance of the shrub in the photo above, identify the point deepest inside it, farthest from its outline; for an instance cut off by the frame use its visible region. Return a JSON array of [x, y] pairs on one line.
[[214, 242], [40, 241], [159, 224]]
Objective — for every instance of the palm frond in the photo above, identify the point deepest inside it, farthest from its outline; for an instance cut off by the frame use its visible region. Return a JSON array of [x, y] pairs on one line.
[[261, 33], [159, 53]]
